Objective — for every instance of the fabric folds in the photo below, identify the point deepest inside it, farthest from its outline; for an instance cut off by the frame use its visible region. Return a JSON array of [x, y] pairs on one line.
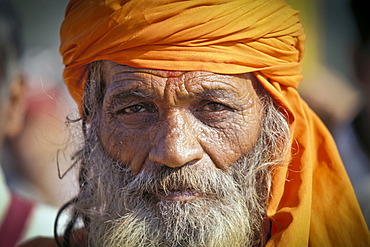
[[312, 201]]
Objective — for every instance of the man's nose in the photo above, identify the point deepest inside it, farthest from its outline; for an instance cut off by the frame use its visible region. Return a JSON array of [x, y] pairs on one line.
[[176, 143]]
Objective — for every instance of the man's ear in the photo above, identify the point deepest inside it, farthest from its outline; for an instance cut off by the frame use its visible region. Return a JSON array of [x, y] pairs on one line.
[[15, 107]]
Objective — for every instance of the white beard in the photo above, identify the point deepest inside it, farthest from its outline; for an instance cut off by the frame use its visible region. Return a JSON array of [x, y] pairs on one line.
[[230, 212]]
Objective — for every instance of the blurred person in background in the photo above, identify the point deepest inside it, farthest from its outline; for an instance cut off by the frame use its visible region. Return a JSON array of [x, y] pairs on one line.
[[36, 153], [20, 219]]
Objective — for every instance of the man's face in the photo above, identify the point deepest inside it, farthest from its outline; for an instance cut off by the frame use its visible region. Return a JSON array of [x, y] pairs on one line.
[[177, 158], [178, 118]]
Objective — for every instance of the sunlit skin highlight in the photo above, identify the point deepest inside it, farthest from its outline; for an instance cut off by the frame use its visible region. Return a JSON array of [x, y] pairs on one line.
[[172, 118]]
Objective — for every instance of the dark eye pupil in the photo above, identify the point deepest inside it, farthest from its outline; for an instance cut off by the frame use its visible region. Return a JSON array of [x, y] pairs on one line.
[[135, 108], [214, 106]]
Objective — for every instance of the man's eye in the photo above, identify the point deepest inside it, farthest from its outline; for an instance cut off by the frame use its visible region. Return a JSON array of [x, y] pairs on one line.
[[132, 109], [213, 106]]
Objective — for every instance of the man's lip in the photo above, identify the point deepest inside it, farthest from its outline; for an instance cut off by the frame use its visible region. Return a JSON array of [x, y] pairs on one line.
[[181, 196]]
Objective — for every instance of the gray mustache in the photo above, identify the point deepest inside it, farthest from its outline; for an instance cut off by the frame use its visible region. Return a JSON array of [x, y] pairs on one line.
[[159, 179]]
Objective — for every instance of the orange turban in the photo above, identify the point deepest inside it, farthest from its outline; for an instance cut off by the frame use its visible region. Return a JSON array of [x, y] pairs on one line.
[[312, 201]]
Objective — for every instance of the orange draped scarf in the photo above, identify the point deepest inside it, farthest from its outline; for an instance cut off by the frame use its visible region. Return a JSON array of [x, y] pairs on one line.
[[312, 201]]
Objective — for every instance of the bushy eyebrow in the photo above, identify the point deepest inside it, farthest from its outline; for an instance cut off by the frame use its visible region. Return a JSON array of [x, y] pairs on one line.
[[229, 97], [212, 93], [125, 94]]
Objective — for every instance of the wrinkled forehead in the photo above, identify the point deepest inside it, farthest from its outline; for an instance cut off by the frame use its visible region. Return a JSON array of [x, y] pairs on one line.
[[115, 72], [112, 69]]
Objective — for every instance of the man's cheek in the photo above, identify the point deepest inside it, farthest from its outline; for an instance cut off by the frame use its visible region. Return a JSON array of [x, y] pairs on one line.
[[123, 145], [226, 145], [221, 147]]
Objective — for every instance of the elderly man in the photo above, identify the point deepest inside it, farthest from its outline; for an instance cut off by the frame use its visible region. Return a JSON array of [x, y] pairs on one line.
[[194, 133]]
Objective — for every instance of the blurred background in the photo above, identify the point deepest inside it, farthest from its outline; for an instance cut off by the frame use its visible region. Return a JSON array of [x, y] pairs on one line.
[[330, 86], [336, 83], [31, 157]]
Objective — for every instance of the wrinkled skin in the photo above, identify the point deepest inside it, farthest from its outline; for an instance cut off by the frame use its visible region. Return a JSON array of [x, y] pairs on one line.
[[176, 118]]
